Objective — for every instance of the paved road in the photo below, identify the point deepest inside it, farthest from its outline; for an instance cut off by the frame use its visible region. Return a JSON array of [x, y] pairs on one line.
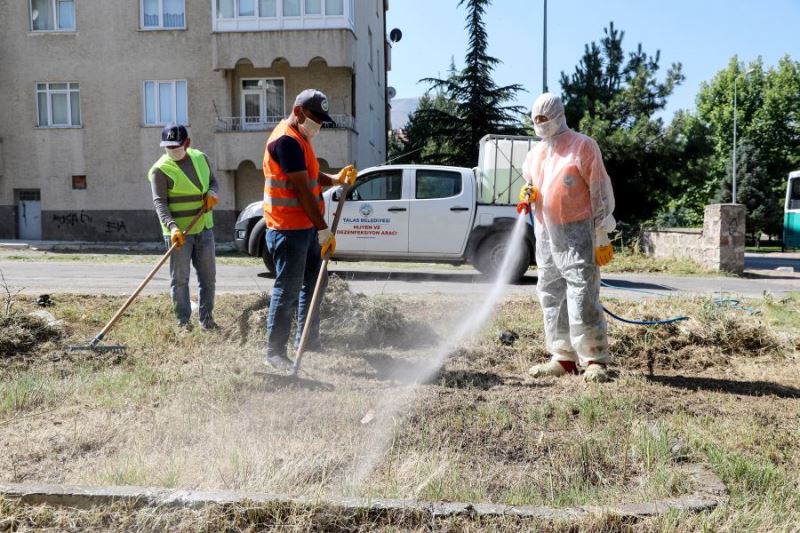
[[93, 278]]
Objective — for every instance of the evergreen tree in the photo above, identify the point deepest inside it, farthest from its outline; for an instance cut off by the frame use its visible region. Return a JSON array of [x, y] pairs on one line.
[[472, 104], [753, 189], [614, 99]]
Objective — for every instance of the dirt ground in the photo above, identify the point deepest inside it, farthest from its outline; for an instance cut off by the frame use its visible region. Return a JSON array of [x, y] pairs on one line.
[[375, 414]]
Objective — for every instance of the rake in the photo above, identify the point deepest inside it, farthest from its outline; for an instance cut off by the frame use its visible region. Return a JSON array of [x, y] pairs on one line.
[[94, 344]]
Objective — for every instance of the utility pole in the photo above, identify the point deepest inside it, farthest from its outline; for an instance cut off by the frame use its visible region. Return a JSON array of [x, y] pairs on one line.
[[544, 51]]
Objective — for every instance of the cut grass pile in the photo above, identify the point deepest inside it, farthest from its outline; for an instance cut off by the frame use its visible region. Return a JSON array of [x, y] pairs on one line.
[[185, 410], [347, 319], [21, 333]]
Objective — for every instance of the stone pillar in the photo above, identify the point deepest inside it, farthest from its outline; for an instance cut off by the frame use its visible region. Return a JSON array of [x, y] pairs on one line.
[[723, 237]]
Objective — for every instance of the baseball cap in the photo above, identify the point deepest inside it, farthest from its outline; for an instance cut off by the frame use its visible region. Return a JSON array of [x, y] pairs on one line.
[[316, 102], [173, 135]]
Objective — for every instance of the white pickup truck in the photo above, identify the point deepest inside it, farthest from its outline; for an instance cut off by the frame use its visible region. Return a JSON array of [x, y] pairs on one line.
[[422, 213]]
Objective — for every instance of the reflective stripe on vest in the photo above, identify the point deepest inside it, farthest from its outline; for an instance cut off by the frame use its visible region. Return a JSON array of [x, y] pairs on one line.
[[282, 207], [184, 199]]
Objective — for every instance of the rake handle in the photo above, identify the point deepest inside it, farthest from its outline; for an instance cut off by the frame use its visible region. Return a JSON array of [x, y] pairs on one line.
[[144, 282], [316, 299]]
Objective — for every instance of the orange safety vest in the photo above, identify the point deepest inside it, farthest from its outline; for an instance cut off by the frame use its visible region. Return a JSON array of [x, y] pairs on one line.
[[282, 207]]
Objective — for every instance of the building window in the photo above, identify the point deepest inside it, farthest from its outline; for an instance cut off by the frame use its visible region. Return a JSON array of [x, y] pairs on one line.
[[334, 7], [369, 35], [163, 14], [53, 15], [164, 102], [79, 182], [58, 105], [371, 125], [263, 102], [247, 9]]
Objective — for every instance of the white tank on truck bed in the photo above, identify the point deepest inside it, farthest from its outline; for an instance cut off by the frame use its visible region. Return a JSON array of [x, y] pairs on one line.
[[499, 169]]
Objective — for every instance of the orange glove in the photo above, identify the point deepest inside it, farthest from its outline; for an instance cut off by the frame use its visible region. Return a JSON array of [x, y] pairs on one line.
[[210, 200], [603, 254], [176, 237], [347, 176]]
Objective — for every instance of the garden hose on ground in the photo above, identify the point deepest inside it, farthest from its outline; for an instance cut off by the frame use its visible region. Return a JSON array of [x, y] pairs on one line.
[[524, 206]]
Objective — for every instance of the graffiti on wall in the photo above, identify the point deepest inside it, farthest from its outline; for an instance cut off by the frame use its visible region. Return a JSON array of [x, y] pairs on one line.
[[72, 219]]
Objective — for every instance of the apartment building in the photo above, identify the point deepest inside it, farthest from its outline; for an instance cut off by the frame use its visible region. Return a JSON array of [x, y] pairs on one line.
[[86, 86]]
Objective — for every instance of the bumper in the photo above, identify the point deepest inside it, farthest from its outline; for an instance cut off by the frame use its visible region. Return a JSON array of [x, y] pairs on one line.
[[241, 235]]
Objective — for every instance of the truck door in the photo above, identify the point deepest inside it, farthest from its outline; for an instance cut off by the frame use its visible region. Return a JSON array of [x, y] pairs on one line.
[[375, 216], [441, 212]]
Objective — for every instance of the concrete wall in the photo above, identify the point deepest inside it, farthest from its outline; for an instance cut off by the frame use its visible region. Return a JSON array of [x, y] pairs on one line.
[[110, 57], [718, 246]]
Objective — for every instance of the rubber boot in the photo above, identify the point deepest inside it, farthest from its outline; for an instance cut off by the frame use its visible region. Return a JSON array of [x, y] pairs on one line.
[[596, 373], [553, 369]]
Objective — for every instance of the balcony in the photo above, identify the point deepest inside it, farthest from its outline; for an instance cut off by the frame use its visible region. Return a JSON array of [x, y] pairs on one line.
[[298, 48], [239, 139]]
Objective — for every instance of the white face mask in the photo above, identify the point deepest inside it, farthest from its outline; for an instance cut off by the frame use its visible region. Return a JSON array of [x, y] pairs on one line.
[[547, 129], [176, 154], [309, 128]]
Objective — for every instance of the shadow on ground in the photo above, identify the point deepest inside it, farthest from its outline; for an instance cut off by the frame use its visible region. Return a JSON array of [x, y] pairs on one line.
[[745, 388], [284, 381]]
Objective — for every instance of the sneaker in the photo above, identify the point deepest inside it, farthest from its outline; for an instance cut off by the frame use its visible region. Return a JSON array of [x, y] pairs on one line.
[[596, 373], [280, 362], [209, 325], [552, 369]]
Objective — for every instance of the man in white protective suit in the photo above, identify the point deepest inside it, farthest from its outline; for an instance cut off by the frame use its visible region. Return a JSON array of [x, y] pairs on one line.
[[568, 184]]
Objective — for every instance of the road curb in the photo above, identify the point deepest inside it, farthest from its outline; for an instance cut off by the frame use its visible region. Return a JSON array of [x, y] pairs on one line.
[[710, 492], [97, 247]]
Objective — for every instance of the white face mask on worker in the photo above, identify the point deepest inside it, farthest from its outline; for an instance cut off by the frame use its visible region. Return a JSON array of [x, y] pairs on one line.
[[176, 154], [309, 128]]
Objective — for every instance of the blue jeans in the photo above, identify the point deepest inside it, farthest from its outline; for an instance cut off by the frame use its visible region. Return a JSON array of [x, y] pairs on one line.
[[198, 250], [296, 254]]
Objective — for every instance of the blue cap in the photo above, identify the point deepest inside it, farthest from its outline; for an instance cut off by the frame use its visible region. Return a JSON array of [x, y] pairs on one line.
[[316, 102], [173, 135]]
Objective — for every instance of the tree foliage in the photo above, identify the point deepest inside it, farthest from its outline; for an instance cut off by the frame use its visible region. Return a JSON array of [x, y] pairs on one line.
[[753, 188], [465, 106], [768, 120], [614, 98]]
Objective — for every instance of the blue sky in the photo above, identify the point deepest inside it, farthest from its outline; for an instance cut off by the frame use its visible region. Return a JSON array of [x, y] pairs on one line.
[[701, 34]]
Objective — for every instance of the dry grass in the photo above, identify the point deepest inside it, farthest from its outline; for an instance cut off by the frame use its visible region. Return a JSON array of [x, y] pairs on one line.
[[186, 410]]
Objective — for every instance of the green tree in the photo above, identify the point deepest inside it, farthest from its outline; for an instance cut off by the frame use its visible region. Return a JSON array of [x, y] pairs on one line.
[[768, 117], [614, 98], [753, 189], [473, 105]]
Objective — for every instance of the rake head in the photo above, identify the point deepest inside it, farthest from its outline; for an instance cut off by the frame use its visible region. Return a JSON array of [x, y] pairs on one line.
[[95, 346], [111, 348]]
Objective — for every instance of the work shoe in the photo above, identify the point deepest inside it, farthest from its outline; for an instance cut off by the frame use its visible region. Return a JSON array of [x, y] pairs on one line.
[[209, 325], [596, 373], [553, 369], [280, 362]]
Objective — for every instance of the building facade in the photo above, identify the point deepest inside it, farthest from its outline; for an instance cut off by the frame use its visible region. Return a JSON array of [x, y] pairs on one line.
[[87, 85]]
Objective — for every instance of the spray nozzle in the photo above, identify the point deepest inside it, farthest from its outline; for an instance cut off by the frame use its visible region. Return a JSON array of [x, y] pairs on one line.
[[527, 196]]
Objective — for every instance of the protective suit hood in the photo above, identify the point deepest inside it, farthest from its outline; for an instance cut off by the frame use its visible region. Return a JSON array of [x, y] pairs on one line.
[[550, 106]]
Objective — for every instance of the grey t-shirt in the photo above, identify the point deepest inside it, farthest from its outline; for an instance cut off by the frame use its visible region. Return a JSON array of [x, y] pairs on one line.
[[161, 184]]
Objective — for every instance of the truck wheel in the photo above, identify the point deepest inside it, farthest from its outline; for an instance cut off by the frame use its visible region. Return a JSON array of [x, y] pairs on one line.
[[491, 253], [267, 260]]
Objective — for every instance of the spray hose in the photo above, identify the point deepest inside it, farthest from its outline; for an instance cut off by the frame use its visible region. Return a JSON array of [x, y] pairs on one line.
[[525, 206]]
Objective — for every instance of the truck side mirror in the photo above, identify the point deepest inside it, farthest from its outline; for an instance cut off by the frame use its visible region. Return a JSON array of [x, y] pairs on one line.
[[336, 194]]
